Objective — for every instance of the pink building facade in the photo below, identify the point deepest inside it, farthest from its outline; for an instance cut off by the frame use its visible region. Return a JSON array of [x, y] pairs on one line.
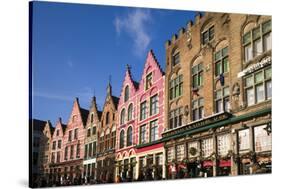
[[73, 143], [56, 150], [150, 121], [139, 151], [126, 129]]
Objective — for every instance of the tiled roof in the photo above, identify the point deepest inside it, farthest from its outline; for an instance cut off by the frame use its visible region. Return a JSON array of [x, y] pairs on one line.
[[84, 115]]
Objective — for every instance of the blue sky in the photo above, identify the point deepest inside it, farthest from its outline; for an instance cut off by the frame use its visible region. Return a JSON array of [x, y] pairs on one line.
[[76, 47]]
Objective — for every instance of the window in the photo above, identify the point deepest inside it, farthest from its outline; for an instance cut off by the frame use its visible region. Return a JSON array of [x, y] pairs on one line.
[[257, 41], [170, 154], [207, 147], [244, 139], [208, 35], [153, 130], [86, 151], [94, 148], [130, 112], [222, 99], [221, 61], [258, 86], [92, 118], [90, 150], [126, 95], [54, 145], [74, 118], [94, 130], [143, 110], [122, 135], [176, 87], [197, 109], [71, 151], [262, 139], [59, 144], [107, 140], [113, 138], [66, 153], [69, 135], [78, 151], [223, 143], [58, 157], [58, 132], [148, 81], [197, 75], [175, 119], [107, 118], [75, 133], [180, 152], [176, 58], [142, 134], [129, 136], [53, 157], [154, 105], [122, 117], [89, 132]]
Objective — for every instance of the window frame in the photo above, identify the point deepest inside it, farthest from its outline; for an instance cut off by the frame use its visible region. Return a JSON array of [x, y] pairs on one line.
[[252, 39], [198, 108], [154, 128], [197, 72], [254, 84]]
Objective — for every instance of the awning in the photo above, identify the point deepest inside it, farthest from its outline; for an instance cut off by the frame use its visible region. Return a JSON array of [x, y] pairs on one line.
[[225, 163], [207, 163]]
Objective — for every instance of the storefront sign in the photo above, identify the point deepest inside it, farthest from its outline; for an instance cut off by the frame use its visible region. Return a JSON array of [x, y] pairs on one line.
[[198, 124], [264, 62]]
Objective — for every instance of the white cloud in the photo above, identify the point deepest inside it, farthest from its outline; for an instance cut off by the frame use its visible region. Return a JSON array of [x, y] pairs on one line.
[[53, 96], [70, 63], [135, 25]]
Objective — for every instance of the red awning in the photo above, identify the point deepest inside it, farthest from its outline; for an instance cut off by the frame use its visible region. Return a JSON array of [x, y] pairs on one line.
[[225, 163], [207, 163]]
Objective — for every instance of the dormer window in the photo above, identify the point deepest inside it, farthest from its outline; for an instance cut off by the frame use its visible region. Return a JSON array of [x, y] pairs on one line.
[[126, 95], [148, 81]]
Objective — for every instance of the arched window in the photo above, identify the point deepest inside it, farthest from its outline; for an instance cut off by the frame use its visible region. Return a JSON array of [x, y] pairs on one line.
[[122, 139], [129, 136], [130, 112], [107, 118], [126, 96], [122, 117]]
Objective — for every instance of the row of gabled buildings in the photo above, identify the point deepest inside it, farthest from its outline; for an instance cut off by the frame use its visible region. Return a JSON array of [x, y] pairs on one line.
[[209, 114]]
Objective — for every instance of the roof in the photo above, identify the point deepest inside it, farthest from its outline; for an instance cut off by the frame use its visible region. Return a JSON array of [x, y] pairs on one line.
[[157, 63], [37, 125], [84, 115], [99, 114], [63, 127], [136, 84], [115, 101]]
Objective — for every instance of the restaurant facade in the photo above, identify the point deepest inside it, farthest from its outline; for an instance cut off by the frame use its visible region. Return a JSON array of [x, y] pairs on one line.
[[218, 105]]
